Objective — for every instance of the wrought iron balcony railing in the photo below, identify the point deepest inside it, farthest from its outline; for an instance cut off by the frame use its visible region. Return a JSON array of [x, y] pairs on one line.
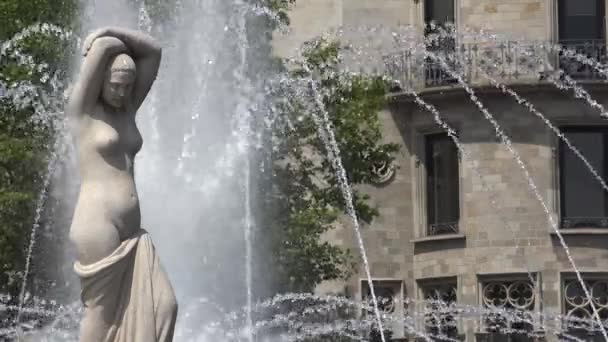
[[591, 49], [435, 75], [506, 61], [584, 222], [442, 228]]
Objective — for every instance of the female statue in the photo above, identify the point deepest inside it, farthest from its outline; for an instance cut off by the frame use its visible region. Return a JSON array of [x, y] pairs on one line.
[[125, 291]]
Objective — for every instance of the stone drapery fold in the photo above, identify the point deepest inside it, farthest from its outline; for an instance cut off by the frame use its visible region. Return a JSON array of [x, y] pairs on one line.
[[127, 295]]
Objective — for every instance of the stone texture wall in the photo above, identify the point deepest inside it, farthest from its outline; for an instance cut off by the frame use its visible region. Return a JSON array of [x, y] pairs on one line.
[[514, 235], [503, 240], [517, 19], [527, 19], [311, 18]]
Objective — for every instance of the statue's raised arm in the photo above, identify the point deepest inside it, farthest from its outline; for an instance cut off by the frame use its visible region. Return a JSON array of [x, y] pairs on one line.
[[98, 46], [90, 82], [146, 54]]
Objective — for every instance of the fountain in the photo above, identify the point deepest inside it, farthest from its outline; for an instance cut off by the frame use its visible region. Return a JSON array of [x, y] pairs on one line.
[[215, 145], [204, 151]]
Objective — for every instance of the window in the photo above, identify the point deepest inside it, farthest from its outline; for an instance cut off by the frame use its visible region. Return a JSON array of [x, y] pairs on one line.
[[584, 203], [579, 320], [389, 294], [438, 15], [581, 20], [509, 309], [439, 312], [443, 210], [440, 12], [581, 28]]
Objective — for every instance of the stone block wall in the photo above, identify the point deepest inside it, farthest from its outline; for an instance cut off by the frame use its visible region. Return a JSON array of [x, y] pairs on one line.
[[514, 235], [504, 240], [516, 19], [526, 19], [309, 18]]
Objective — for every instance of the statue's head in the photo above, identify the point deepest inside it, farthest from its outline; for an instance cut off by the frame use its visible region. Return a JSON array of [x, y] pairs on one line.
[[119, 80]]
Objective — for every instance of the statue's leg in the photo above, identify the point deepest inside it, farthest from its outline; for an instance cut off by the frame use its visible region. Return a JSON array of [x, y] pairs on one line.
[[165, 303], [95, 324], [166, 315]]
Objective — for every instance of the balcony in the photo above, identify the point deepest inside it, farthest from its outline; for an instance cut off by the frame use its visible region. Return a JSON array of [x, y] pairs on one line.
[[590, 49], [505, 61]]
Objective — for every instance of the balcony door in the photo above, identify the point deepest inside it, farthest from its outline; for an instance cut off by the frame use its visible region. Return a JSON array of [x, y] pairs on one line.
[[582, 29], [581, 20], [438, 14]]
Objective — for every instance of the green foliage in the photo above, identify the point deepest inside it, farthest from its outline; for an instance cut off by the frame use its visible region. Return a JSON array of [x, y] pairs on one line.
[[280, 8], [24, 139], [306, 197], [21, 160], [16, 15]]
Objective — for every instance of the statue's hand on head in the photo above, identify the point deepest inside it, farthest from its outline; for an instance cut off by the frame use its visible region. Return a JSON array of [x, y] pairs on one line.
[[144, 51], [88, 42]]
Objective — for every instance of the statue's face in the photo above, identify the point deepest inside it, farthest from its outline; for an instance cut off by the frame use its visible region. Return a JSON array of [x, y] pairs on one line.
[[117, 88]]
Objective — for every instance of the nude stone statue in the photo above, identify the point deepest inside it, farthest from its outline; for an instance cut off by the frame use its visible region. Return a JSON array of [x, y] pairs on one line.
[[125, 291]]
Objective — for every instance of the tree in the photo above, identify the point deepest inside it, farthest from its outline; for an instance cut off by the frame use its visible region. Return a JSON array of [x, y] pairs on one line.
[[33, 61], [303, 199]]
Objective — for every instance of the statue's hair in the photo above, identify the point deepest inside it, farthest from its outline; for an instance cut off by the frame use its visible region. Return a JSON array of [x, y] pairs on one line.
[[122, 63]]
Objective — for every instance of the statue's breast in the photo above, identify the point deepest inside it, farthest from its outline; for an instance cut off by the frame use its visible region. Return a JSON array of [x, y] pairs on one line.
[[132, 138], [103, 137], [114, 135]]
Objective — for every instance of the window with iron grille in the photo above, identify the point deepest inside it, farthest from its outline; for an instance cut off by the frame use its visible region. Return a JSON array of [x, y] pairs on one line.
[[584, 203], [440, 312], [443, 208], [579, 318], [509, 310], [390, 299]]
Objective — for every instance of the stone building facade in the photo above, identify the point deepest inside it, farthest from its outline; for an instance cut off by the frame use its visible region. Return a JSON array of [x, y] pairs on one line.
[[446, 233]]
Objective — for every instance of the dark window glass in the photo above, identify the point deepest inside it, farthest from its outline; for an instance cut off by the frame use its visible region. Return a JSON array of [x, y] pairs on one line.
[[584, 203], [443, 210], [581, 20], [581, 29], [439, 12]]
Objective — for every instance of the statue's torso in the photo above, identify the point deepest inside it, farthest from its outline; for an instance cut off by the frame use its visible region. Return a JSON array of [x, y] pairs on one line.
[[107, 210]]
